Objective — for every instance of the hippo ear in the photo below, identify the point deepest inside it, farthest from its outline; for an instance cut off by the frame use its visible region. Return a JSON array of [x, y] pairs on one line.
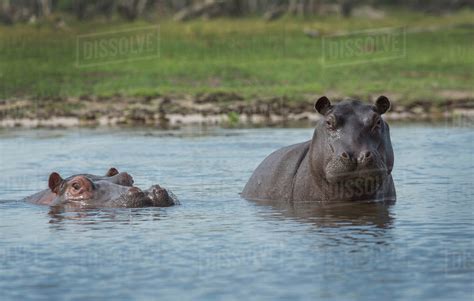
[[112, 172], [382, 104], [54, 182], [322, 105]]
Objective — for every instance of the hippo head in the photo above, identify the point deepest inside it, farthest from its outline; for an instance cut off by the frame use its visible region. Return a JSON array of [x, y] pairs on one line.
[[82, 192], [351, 145]]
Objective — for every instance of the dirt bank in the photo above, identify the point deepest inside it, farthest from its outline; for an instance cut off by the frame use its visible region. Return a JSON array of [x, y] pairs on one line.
[[211, 109]]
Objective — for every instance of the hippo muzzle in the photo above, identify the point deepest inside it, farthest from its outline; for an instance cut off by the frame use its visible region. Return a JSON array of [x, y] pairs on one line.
[[366, 166]]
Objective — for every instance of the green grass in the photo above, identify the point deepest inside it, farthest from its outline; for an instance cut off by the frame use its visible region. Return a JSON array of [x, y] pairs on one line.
[[249, 57]]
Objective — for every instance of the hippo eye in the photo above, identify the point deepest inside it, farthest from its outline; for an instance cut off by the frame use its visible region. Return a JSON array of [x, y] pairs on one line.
[[331, 122], [76, 186], [377, 123]]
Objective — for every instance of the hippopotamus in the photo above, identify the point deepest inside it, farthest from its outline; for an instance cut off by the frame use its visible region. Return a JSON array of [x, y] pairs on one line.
[[349, 158], [46, 197], [85, 191]]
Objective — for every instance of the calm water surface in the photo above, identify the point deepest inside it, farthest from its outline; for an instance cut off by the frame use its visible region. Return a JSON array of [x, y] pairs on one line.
[[219, 246]]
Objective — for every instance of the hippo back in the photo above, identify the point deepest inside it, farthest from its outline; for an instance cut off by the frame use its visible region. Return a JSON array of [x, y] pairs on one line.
[[274, 177]]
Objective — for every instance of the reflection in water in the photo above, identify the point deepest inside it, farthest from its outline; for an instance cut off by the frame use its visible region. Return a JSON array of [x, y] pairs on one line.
[[59, 215], [336, 214]]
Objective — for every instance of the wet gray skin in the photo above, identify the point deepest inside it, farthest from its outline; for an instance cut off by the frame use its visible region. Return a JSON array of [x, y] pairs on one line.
[[80, 192], [349, 158], [45, 197], [112, 176]]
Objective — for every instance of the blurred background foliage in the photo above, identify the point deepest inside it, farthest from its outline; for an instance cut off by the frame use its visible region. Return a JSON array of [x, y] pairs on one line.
[[12, 11]]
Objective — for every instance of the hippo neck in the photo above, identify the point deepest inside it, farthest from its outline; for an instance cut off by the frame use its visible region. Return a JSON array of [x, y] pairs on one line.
[[315, 168], [317, 179]]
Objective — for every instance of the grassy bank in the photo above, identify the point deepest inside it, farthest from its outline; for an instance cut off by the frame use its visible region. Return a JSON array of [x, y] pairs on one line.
[[249, 57]]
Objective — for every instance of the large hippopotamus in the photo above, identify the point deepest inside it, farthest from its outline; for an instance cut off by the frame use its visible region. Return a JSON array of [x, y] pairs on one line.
[[349, 158], [83, 191]]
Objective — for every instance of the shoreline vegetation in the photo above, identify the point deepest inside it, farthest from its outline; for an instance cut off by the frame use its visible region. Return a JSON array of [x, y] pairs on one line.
[[235, 71]]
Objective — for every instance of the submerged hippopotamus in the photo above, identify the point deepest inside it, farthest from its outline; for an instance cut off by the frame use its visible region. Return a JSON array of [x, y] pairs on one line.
[[115, 189], [349, 158], [46, 197]]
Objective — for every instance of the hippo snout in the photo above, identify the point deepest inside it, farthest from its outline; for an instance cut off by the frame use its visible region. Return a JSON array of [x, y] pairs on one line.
[[155, 196], [349, 165], [362, 158], [160, 196]]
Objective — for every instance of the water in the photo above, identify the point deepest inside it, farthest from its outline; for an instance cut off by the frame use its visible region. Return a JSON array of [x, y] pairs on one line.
[[219, 246]]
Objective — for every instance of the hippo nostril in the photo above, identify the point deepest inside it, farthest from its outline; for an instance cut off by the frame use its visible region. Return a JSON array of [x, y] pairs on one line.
[[365, 157], [345, 155]]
